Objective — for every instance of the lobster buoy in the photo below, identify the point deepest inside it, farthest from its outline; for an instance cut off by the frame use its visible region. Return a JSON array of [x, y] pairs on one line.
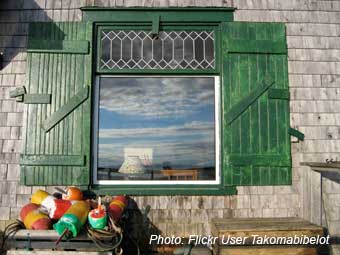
[[117, 207], [40, 196], [73, 193], [55, 208], [73, 220], [33, 218], [98, 217], [59, 208]]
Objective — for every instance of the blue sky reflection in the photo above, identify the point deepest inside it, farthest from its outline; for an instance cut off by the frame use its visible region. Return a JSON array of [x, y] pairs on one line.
[[174, 116]]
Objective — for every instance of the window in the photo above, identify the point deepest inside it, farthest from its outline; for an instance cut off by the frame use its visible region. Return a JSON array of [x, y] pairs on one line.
[[169, 50], [160, 129], [96, 116]]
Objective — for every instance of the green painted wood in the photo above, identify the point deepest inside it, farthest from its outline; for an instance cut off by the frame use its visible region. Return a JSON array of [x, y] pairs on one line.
[[256, 145], [256, 46], [155, 25], [66, 109], [52, 160], [62, 75], [141, 15], [58, 46], [37, 98], [159, 190], [296, 133], [17, 92], [259, 160], [246, 101], [278, 94]]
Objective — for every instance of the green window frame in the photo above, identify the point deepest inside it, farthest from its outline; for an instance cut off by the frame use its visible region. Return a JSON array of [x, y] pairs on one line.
[[251, 59]]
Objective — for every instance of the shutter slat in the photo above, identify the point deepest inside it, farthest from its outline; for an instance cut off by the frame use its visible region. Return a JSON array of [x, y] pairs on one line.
[[256, 46], [52, 160], [37, 98], [58, 46], [259, 160]]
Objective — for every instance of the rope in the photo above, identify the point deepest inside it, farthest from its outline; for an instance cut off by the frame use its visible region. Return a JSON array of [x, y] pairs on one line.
[[107, 240], [9, 231]]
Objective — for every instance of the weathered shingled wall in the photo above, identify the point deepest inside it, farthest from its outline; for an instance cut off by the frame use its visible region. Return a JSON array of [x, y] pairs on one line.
[[313, 30]]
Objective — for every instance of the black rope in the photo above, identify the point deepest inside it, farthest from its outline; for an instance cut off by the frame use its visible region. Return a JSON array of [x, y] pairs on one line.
[[9, 231]]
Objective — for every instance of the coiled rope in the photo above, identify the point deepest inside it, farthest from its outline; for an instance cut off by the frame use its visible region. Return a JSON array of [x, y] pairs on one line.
[[107, 240]]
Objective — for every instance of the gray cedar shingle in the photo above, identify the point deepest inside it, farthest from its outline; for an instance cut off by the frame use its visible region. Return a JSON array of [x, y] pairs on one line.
[[13, 172], [313, 29], [5, 132], [314, 54], [4, 213], [14, 119], [3, 171], [10, 146], [288, 16]]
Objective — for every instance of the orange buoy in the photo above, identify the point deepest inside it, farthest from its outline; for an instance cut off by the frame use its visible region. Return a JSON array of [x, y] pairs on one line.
[[73, 193], [117, 206], [33, 218]]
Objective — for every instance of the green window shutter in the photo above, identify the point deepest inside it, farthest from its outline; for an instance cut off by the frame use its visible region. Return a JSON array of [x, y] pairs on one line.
[[57, 139], [255, 104]]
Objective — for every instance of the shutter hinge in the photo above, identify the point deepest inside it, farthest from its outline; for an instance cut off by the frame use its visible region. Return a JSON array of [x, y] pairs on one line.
[[155, 26], [20, 95], [296, 133], [1, 59]]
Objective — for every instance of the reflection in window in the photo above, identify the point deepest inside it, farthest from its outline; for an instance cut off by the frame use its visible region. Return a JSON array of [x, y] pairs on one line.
[[156, 128], [170, 50]]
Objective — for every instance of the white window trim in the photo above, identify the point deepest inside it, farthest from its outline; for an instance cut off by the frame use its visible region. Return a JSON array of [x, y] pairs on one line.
[[148, 182]]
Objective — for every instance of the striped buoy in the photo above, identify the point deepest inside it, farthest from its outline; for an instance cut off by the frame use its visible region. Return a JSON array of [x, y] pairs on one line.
[[73, 220], [39, 196], [33, 218], [117, 207], [59, 208], [55, 208]]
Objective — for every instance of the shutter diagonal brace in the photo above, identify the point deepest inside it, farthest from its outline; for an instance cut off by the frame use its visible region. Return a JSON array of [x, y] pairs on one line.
[[66, 109], [245, 102], [296, 133]]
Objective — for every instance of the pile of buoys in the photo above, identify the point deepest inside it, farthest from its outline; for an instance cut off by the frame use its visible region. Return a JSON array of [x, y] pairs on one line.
[[71, 212]]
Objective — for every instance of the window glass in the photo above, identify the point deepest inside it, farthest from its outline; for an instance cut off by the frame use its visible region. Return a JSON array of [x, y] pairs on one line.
[[132, 49], [157, 128]]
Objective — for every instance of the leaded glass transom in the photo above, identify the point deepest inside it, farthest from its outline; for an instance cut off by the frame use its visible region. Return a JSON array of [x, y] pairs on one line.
[[170, 50]]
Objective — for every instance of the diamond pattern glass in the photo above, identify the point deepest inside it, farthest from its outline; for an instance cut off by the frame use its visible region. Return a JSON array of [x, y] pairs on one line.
[[170, 50]]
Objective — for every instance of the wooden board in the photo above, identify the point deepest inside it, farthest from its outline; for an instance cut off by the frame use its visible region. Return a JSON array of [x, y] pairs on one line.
[[265, 226], [268, 251], [45, 239], [272, 227], [44, 252]]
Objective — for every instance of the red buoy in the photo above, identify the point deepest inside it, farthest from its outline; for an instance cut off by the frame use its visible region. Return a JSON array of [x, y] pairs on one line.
[[33, 218], [117, 206]]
